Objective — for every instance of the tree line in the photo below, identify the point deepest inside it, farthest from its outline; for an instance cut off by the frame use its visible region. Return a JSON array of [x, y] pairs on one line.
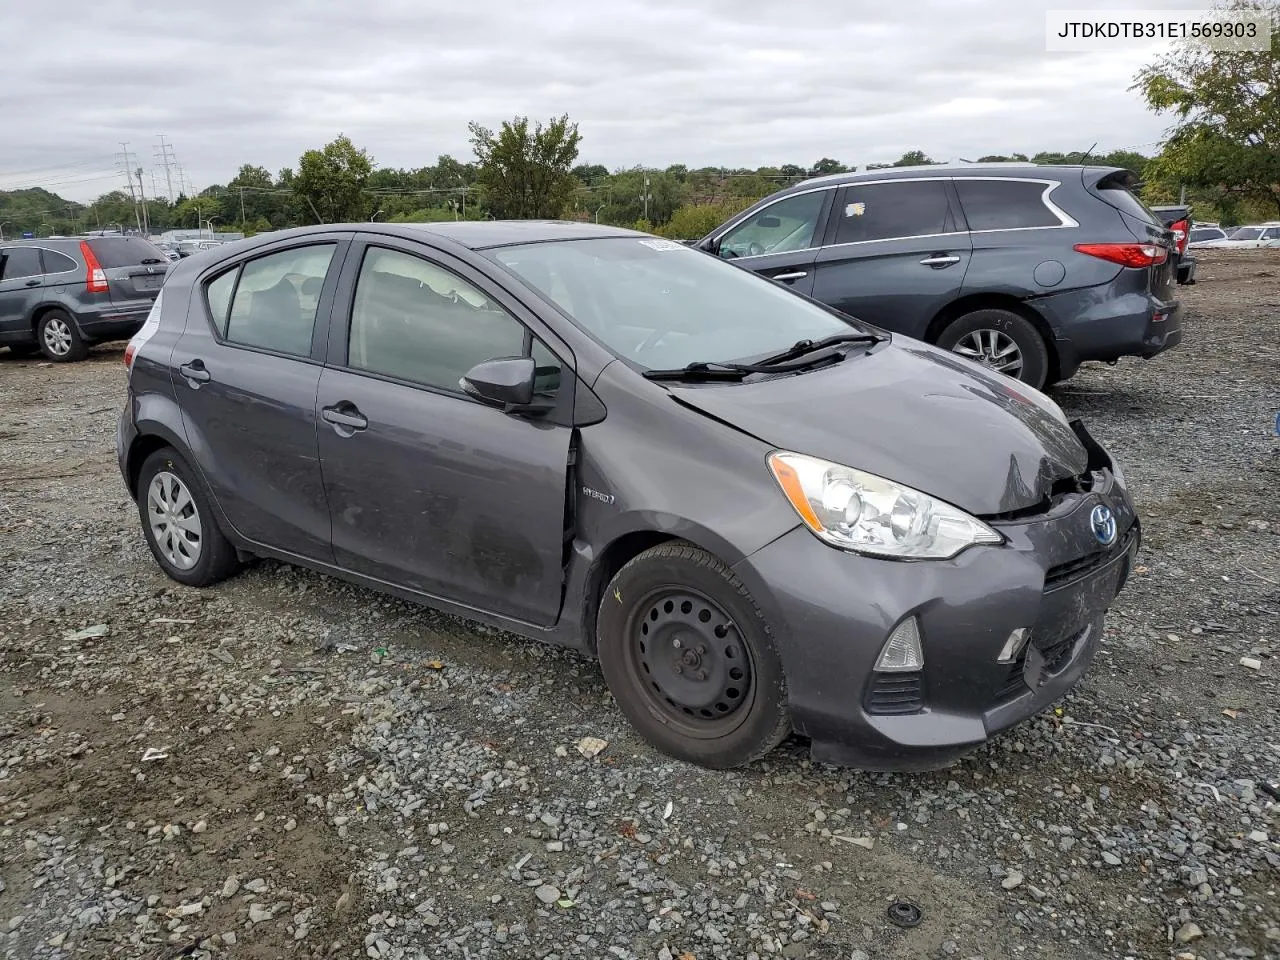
[[1222, 153]]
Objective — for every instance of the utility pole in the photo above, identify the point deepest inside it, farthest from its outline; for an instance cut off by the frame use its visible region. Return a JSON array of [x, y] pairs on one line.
[[646, 197], [167, 160], [1182, 194], [146, 225], [128, 178], [243, 225]]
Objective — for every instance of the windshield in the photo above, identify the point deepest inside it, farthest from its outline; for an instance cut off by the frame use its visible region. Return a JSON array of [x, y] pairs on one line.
[[1247, 233], [659, 304]]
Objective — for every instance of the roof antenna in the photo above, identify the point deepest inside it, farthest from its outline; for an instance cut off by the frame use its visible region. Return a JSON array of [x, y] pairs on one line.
[[963, 160], [1088, 153]]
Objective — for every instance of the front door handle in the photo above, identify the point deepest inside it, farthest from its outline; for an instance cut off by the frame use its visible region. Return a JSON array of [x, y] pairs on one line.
[[32, 283], [940, 260], [194, 372], [787, 277], [345, 417]]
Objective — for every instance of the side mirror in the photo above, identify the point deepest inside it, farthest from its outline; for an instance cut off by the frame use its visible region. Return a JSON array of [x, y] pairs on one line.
[[768, 221], [505, 382]]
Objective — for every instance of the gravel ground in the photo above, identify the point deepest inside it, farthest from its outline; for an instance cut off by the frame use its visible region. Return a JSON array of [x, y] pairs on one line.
[[287, 766]]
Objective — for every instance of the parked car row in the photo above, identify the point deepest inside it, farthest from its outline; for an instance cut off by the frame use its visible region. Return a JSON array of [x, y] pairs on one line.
[[1240, 238], [759, 513], [1028, 269]]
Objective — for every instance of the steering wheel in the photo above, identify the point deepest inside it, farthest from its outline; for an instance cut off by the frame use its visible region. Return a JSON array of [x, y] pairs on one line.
[[754, 249]]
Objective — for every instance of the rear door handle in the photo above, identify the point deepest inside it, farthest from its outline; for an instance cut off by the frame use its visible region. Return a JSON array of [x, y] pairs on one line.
[[346, 417], [195, 372], [796, 275], [940, 260]]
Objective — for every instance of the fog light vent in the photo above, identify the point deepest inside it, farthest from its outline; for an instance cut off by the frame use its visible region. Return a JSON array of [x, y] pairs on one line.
[[901, 652], [1013, 646]]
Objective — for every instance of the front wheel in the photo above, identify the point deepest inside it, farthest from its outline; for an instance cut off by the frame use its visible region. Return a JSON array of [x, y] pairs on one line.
[[1000, 340], [690, 659]]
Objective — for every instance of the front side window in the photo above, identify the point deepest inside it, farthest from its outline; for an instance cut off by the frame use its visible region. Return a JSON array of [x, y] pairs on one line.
[[660, 304], [886, 211], [1004, 204], [415, 321], [782, 227], [19, 262], [276, 299]]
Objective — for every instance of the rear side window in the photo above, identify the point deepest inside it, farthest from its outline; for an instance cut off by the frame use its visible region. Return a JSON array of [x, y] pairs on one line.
[[124, 251], [20, 262], [276, 298], [883, 211], [1127, 202], [1004, 204], [55, 262]]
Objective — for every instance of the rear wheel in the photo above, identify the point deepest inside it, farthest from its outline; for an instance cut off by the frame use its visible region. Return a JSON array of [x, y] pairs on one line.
[[179, 524], [690, 659], [1000, 340], [59, 337]]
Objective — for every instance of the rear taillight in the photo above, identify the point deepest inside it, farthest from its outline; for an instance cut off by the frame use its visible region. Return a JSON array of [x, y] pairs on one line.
[[129, 350], [1181, 232], [96, 278], [1126, 254]]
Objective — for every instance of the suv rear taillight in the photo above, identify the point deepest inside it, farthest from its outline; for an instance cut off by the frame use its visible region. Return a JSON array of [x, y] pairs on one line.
[[96, 278], [1126, 254], [1181, 233]]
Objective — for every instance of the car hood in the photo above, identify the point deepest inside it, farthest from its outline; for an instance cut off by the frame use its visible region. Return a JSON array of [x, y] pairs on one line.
[[914, 414]]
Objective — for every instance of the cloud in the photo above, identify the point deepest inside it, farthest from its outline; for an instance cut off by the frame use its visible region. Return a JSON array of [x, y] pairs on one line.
[[733, 82]]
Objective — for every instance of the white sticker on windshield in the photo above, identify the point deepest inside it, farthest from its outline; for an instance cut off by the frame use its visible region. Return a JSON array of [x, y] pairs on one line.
[[663, 244]]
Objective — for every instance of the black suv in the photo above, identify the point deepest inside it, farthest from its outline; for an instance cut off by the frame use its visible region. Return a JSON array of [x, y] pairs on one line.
[[1028, 269], [61, 294]]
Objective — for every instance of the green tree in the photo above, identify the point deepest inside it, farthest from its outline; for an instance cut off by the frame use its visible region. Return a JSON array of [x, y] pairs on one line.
[[251, 196], [527, 173], [330, 182], [695, 221], [827, 165], [1227, 108]]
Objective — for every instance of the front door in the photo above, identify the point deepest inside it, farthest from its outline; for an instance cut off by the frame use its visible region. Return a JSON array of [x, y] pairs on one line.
[[895, 254], [430, 489], [20, 282], [780, 240], [246, 371]]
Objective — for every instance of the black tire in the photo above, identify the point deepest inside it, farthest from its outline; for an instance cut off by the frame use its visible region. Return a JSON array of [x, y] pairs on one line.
[[215, 558], [1034, 354], [732, 707], [59, 338]]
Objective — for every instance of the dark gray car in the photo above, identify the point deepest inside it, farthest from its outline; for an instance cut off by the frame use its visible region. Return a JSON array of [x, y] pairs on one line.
[[62, 294], [759, 515], [1029, 269]]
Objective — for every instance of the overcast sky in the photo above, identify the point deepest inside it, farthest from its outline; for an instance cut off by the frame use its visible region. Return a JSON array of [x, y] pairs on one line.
[[653, 82]]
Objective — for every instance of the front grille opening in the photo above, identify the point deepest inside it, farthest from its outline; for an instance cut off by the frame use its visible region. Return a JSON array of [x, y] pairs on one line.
[[1056, 657], [1064, 573], [896, 693], [1062, 488]]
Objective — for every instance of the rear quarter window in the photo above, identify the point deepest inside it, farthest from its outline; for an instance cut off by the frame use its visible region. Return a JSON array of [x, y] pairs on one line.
[[1127, 202], [55, 262], [125, 251], [1005, 204]]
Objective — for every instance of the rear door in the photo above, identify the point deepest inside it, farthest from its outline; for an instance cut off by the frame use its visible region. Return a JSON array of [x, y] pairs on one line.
[[20, 283], [895, 254], [779, 240], [245, 373], [430, 489], [135, 267]]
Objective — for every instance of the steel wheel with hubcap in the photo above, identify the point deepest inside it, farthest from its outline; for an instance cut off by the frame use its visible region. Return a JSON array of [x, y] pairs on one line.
[[1000, 340], [690, 658], [59, 338], [179, 523], [175, 521]]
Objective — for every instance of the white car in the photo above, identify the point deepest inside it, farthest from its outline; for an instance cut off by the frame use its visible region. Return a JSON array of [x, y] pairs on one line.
[[1247, 237], [1204, 236]]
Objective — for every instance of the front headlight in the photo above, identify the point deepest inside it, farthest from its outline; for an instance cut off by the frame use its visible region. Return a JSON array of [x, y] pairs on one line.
[[859, 511]]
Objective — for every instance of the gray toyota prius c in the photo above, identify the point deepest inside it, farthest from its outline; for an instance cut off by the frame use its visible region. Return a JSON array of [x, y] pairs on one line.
[[761, 516]]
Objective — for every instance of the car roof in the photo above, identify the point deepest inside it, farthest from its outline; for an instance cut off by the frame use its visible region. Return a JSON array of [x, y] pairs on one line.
[[472, 234], [1012, 169]]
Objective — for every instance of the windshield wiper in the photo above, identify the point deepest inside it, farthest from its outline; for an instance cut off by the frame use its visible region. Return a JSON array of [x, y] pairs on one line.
[[801, 347], [716, 370]]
